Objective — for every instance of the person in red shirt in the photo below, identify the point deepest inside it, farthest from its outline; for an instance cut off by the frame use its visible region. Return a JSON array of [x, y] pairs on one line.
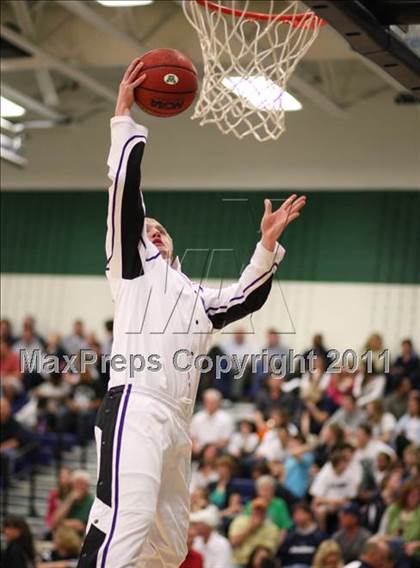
[[193, 559], [10, 373]]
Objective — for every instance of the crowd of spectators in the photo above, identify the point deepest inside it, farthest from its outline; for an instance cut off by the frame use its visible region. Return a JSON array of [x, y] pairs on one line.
[[320, 469]]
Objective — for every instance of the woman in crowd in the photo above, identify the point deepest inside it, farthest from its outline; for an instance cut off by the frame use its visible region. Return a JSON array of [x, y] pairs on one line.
[[206, 472], [381, 422], [407, 430], [402, 518], [221, 490], [328, 555], [332, 437], [20, 550], [259, 556]]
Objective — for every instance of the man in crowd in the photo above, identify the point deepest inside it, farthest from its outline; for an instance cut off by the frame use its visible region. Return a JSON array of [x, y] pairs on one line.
[[351, 537], [74, 511], [302, 540], [248, 532], [212, 425], [214, 548]]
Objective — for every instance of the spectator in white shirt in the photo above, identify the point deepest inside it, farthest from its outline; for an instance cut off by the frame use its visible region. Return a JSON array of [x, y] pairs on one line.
[[332, 488], [212, 425], [368, 387], [244, 442], [214, 547]]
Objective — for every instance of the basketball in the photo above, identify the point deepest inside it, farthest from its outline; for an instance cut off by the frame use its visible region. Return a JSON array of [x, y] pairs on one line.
[[170, 85]]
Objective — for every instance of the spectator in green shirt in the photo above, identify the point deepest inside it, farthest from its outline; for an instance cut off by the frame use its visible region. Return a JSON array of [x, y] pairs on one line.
[[277, 510], [74, 511]]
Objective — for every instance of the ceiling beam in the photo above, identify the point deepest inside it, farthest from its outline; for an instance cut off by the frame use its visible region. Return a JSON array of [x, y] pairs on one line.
[[43, 76], [83, 11], [64, 68], [31, 103], [16, 64]]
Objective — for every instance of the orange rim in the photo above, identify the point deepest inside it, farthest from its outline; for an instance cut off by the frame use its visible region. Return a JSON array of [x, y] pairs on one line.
[[297, 21]]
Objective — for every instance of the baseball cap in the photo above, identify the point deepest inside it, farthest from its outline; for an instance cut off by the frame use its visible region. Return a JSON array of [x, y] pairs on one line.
[[209, 516]]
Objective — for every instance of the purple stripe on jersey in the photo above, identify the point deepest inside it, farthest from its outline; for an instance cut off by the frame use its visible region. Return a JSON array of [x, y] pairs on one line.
[[117, 480], [245, 289], [152, 257], [114, 194]]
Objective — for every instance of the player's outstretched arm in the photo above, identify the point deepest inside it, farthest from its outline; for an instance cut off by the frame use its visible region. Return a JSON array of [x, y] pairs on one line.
[[231, 303], [125, 209]]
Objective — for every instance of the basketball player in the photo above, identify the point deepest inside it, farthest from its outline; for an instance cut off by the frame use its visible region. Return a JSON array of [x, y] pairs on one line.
[[140, 515]]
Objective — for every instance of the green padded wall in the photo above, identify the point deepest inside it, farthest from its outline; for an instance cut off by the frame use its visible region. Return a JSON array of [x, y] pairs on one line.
[[343, 236]]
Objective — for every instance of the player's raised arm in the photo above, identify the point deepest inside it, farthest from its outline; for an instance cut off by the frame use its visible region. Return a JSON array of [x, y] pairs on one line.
[[249, 294], [125, 207]]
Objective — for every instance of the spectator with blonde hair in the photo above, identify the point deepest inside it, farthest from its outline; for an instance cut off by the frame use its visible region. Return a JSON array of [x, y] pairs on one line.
[[328, 555]]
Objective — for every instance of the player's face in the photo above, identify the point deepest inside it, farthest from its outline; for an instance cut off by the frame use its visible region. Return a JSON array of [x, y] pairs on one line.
[[159, 236]]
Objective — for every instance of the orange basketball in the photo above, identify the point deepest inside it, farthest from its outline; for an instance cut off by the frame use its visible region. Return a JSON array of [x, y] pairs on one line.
[[171, 83]]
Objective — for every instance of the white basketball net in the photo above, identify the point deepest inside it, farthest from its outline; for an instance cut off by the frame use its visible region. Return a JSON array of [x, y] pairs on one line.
[[247, 63]]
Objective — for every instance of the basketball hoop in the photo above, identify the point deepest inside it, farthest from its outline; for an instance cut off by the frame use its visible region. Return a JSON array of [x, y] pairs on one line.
[[248, 59]]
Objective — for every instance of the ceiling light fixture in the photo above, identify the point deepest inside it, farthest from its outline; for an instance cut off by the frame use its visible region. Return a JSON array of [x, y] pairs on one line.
[[10, 109], [124, 3], [262, 93]]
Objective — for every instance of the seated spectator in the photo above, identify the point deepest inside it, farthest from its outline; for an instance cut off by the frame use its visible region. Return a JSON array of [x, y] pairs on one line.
[[402, 518], [315, 378], [206, 472], [407, 364], [407, 430], [221, 490], [411, 461], [10, 375], [212, 425], [82, 404], [376, 554], [276, 508], [332, 437], [73, 511], [368, 387], [274, 353], [340, 384], [259, 558], [349, 416], [375, 346], [297, 465], [193, 559], [29, 349], [246, 532], [328, 555], [317, 351], [239, 349], [20, 549], [272, 397], [58, 495], [396, 402], [6, 332], [381, 422], [67, 544], [55, 348], [317, 407], [302, 541], [200, 500], [351, 537], [368, 448], [243, 443], [214, 548], [76, 341], [11, 435], [381, 499], [332, 487]]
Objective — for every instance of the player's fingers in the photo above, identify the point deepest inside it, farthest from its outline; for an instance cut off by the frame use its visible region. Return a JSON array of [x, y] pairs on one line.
[[292, 217], [268, 207], [130, 68], [135, 72], [139, 81], [299, 203], [288, 203]]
